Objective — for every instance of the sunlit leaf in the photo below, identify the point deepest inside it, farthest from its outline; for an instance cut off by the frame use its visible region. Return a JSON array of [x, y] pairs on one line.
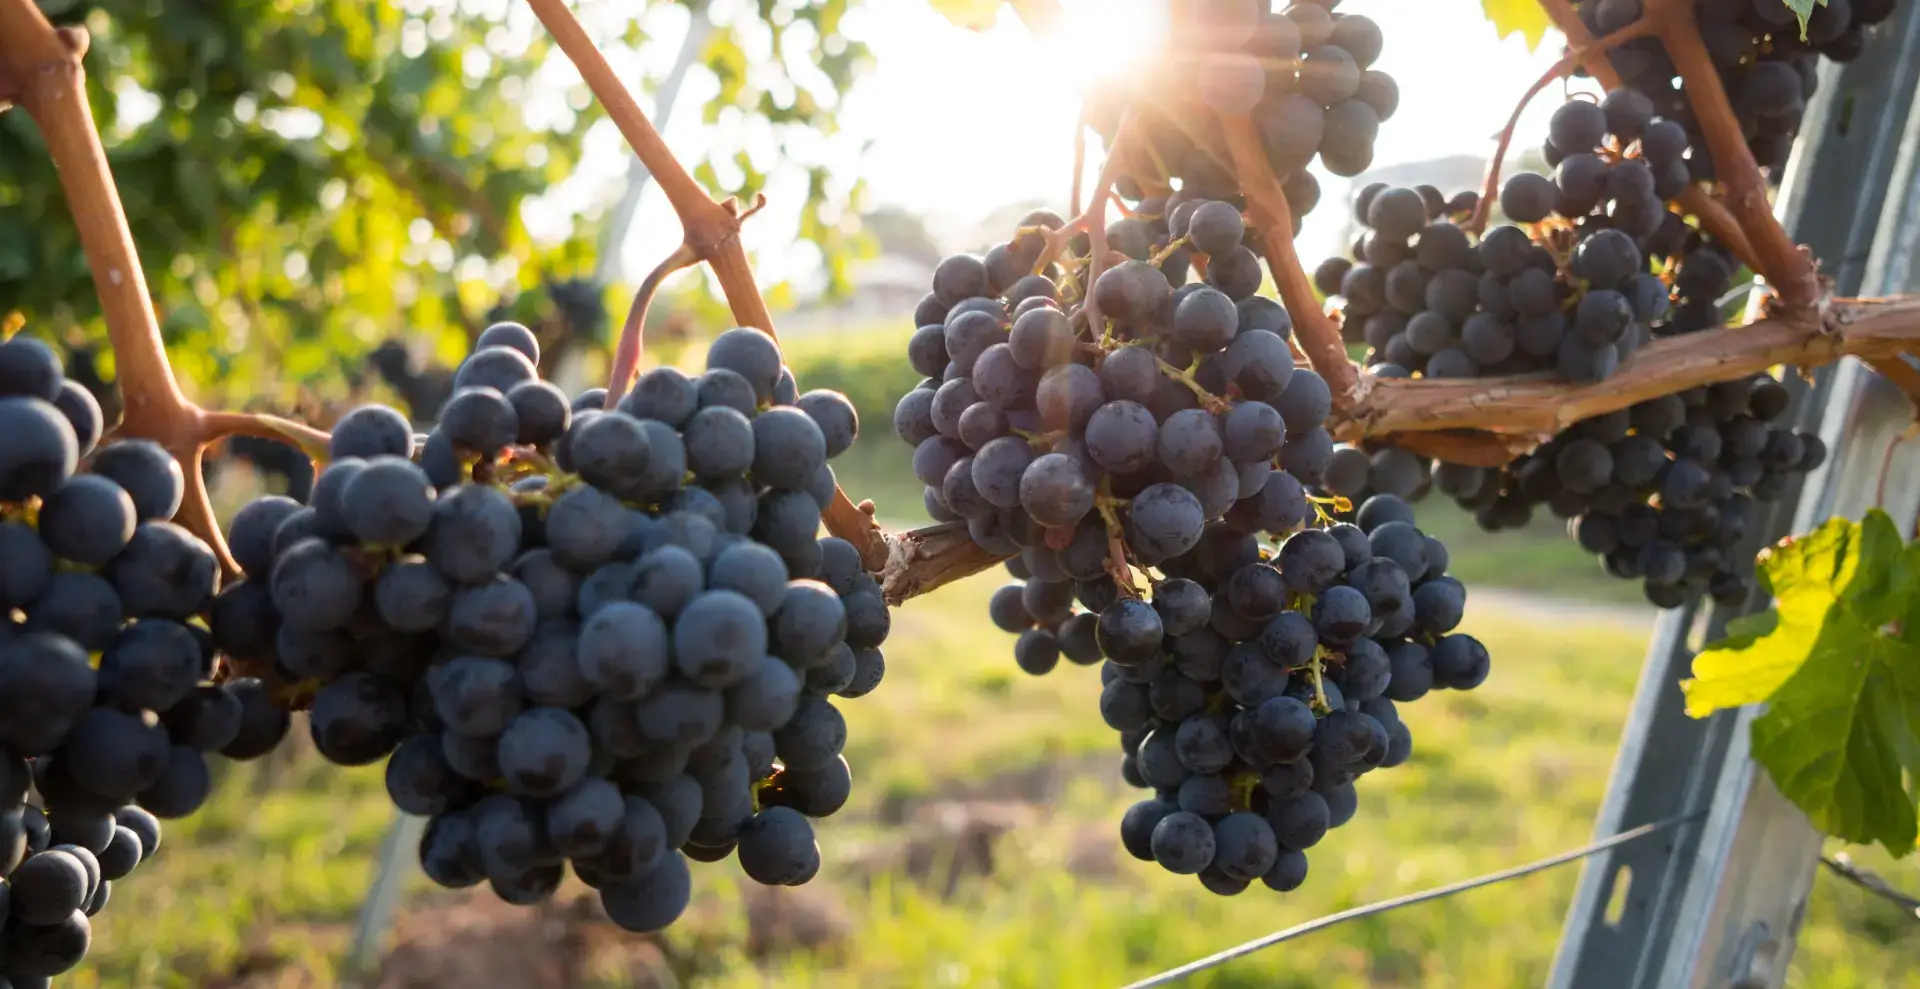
[[1526, 17], [1837, 662]]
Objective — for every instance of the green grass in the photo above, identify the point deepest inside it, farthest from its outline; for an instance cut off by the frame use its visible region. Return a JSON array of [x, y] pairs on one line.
[[269, 877]]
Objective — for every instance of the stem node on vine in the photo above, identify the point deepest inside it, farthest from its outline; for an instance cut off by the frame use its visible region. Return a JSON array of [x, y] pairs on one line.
[[1576, 56], [626, 354], [711, 229]]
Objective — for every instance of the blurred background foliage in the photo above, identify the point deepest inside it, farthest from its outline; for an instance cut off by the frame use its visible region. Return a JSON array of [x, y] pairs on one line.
[[308, 180]]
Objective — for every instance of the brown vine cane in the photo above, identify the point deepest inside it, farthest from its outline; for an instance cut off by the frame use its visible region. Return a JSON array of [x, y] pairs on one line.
[[711, 229]]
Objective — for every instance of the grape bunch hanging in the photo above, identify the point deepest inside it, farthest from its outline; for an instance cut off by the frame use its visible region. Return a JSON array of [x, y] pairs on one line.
[[1664, 492], [1254, 682], [603, 638], [1766, 66], [1575, 296], [94, 754]]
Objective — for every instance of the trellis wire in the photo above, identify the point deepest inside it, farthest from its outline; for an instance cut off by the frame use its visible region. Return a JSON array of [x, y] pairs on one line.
[[1437, 893], [1842, 866]]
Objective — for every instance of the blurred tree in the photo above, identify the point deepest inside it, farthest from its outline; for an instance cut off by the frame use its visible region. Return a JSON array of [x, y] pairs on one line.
[[901, 232], [306, 179]]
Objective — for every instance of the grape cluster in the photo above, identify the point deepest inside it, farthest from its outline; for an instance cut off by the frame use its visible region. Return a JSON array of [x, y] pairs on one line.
[[1664, 491], [1304, 75], [1029, 420], [603, 638], [1768, 69], [1702, 274], [1574, 296], [1256, 681], [1357, 475], [94, 753], [1616, 164]]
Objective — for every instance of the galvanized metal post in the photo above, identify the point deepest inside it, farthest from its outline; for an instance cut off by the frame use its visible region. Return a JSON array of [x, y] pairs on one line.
[[1717, 906], [613, 239], [396, 865], [572, 372]]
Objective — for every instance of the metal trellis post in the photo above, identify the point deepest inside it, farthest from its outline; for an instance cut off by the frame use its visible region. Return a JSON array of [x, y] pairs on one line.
[[1717, 906], [613, 240], [571, 375]]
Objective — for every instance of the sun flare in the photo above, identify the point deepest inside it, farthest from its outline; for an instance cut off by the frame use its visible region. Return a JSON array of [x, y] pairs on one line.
[[1097, 41]]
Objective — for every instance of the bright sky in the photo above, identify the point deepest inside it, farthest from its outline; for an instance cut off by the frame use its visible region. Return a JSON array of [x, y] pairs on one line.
[[953, 124]]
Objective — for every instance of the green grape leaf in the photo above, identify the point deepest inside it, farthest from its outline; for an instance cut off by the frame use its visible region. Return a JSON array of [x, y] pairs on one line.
[[1837, 661], [1527, 17], [1803, 9]]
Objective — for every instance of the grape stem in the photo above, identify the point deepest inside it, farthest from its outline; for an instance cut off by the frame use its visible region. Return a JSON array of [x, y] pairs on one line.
[[1044, 439], [1697, 200], [710, 229], [1788, 268], [1267, 204], [1213, 403], [1094, 220], [1057, 240], [1172, 246], [1715, 216], [1327, 509], [626, 355], [533, 458], [1575, 57], [312, 442], [1525, 408], [926, 559], [1316, 669], [1109, 509]]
